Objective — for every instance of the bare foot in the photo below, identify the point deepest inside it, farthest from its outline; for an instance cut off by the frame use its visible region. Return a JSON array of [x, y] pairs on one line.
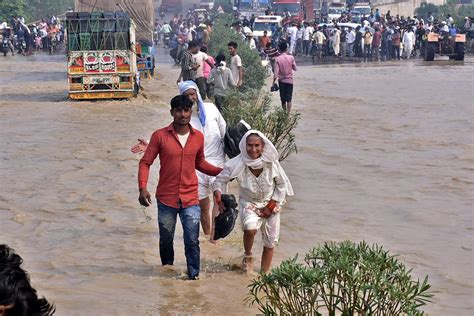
[[247, 265]]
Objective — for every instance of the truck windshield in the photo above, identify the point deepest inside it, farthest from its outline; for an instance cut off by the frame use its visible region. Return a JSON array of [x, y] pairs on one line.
[[280, 8], [263, 26], [335, 11], [362, 11], [245, 4]]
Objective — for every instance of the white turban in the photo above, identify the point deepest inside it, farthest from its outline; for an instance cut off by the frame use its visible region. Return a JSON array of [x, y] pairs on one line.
[[189, 84]]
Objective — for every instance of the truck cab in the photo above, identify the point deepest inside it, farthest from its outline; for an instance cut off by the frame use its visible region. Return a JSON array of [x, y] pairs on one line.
[[335, 10], [206, 4], [361, 9], [266, 23], [291, 7]]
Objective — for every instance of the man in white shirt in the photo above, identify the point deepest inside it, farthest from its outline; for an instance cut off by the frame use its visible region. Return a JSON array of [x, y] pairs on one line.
[[235, 64], [292, 32], [319, 39], [299, 40], [199, 58], [207, 119], [408, 42], [350, 38], [450, 20], [308, 33], [250, 41], [444, 27]]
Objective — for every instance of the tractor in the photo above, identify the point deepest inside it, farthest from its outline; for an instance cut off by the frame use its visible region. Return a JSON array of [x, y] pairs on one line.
[[453, 46]]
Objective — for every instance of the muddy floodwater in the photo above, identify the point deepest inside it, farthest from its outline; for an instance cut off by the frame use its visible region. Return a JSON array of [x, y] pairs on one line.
[[385, 154]]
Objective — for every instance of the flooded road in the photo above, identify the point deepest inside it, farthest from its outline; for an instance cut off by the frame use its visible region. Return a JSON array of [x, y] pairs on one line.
[[386, 154]]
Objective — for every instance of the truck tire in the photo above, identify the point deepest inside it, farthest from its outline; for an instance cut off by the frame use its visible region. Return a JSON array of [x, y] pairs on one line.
[[429, 52], [459, 50]]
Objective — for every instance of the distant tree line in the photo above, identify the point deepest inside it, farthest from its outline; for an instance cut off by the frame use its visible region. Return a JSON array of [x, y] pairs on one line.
[[458, 11], [33, 10]]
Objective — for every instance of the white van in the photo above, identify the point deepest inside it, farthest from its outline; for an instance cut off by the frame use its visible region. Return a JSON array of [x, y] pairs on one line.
[[335, 11], [266, 23]]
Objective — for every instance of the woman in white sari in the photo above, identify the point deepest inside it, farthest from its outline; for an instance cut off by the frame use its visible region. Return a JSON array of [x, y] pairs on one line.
[[263, 187]]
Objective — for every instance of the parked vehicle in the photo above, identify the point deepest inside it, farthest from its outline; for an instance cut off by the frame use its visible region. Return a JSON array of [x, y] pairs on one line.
[[445, 45], [335, 10], [361, 8], [266, 23], [171, 6], [247, 8], [291, 7], [101, 55], [206, 4]]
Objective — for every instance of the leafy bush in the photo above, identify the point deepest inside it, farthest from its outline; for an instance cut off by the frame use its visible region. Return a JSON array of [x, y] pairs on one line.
[[344, 278]]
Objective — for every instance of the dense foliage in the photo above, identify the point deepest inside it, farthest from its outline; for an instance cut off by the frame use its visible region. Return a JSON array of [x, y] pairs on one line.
[[33, 10], [341, 278], [11, 8], [458, 12]]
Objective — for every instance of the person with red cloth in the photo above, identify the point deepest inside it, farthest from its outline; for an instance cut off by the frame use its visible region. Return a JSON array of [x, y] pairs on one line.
[[180, 148]]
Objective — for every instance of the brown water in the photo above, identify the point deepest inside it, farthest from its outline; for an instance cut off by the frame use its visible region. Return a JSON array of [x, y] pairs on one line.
[[385, 154]]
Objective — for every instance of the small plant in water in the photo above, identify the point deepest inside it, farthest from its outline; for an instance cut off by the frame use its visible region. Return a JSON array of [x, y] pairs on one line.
[[341, 278], [147, 217]]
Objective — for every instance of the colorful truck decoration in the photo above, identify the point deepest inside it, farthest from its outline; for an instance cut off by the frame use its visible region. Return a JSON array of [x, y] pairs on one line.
[[102, 61]]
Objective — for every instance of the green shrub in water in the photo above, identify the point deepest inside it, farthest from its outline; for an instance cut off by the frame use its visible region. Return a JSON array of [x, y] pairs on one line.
[[343, 278]]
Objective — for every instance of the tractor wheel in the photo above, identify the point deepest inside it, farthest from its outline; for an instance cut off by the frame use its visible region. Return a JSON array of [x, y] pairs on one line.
[[459, 50], [429, 52]]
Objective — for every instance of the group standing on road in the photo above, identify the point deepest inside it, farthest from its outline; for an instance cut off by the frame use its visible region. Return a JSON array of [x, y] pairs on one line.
[[26, 39]]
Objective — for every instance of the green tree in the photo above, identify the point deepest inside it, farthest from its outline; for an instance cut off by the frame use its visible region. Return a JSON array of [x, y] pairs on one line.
[[39, 9], [12, 7], [452, 7]]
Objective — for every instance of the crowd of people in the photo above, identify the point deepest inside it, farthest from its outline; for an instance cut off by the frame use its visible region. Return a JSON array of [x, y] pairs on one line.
[[26, 38], [188, 38], [376, 37]]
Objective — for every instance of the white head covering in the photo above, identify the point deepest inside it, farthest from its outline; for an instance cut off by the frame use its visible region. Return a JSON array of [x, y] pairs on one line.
[[189, 84], [269, 154]]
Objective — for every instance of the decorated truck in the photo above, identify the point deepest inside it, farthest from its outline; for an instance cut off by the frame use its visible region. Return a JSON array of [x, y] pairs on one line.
[[101, 55]]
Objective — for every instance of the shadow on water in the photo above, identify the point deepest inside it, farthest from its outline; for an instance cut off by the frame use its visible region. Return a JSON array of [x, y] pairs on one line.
[[440, 61], [45, 76], [37, 96]]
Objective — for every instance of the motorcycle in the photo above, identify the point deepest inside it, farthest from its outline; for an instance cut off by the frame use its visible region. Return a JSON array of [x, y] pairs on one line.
[[156, 37], [53, 45], [21, 46], [178, 46], [5, 46], [166, 40]]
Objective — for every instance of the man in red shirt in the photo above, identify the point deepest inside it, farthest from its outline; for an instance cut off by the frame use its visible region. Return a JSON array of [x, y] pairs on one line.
[[181, 151]]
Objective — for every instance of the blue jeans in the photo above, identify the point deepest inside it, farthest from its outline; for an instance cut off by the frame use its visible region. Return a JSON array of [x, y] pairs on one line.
[[190, 218]]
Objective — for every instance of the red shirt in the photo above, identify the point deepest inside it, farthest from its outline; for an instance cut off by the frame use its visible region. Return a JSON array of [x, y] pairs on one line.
[[178, 180]]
